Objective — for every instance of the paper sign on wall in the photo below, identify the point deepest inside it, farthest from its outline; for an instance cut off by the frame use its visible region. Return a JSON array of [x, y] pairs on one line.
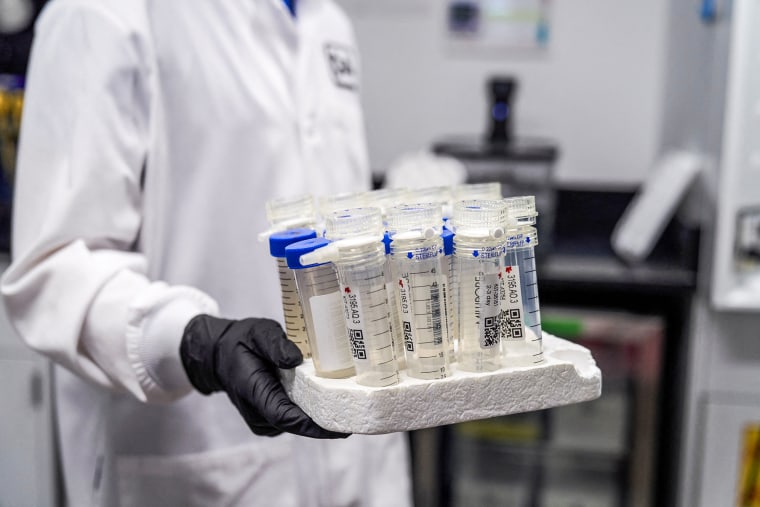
[[498, 24]]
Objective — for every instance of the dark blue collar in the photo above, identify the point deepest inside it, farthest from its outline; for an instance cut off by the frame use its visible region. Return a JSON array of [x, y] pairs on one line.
[[291, 5]]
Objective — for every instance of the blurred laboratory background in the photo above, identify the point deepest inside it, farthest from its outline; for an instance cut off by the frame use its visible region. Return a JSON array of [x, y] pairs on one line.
[[637, 127]]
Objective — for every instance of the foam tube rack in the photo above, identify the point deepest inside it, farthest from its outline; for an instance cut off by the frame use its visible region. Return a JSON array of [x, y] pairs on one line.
[[567, 375]]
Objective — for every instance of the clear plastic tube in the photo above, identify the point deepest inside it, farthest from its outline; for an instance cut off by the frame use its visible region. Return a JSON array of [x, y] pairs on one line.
[[360, 260], [289, 213], [436, 195], [478, 260], [521, 312], [417, 250], [384, 199], [471, 191], [295, 325], [395, 320], [320, 297], [335, 202]]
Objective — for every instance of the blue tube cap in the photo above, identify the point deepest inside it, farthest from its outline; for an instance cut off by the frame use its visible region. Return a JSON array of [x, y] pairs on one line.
[[448, 242], [279, 240], [294, 251]]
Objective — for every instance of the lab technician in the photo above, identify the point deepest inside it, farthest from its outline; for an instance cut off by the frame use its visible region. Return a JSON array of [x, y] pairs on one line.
[[153, 133]]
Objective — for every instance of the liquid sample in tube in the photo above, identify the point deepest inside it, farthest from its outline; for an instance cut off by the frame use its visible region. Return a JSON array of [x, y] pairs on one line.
[[295, 325], [417, 250], [320, 297], [521, 313], [360, 259], [478, 260]]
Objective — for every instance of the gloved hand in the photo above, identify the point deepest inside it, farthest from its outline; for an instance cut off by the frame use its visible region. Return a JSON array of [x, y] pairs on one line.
[[241, 357]]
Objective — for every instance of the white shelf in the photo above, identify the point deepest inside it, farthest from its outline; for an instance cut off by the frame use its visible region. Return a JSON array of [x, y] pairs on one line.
[[568, 375]]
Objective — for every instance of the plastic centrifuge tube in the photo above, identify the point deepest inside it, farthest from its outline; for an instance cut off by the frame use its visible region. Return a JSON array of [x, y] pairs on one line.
[[521, 314], [384, 199], [417, 250], [320, 297], [335, 202], [290, 213], [436, 195], [479, 226], [448, 269], [471, 191], [359, 255], [295, 326], [397, 336]]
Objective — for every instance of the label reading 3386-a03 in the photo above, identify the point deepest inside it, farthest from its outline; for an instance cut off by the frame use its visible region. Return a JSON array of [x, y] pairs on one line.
[[511, 324], [356, 331]]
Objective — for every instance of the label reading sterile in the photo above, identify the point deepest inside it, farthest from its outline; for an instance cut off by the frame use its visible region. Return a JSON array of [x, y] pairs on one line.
[[330, 330], [356, 330], [511, 322], [487, 308]]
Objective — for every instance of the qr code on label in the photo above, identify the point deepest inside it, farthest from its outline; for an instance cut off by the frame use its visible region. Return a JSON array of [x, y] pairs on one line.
[[490, 332], [511, 324], [356, 337], [408, 343]]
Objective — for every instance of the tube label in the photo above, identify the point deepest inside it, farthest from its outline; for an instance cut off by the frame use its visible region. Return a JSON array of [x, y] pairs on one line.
[[353, 316], [511, 322], [329, 332], [420, 309], [405, 311], [487, 308]]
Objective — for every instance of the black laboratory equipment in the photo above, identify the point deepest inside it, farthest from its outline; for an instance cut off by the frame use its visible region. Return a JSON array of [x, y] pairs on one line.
[[523, 165]]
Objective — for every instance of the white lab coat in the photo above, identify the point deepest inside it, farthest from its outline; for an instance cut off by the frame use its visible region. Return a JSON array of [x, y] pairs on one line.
[[153, 133]]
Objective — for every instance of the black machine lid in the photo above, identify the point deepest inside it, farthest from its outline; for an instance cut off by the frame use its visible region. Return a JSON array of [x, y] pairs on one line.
[[499, 143], [515, 150]]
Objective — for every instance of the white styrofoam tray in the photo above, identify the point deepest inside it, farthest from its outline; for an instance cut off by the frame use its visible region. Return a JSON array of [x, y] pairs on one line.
[[568, 375]]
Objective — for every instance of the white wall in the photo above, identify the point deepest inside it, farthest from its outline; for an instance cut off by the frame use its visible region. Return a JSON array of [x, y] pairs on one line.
[[597, 90]]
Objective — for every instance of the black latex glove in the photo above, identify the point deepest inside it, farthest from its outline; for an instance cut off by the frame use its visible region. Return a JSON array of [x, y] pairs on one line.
[[241, 357]]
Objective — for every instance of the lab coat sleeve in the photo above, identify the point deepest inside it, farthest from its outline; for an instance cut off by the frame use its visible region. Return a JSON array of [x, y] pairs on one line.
[[77, 289]]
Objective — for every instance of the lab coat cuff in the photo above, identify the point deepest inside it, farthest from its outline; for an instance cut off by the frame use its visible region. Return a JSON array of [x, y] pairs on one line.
[[155, 326]]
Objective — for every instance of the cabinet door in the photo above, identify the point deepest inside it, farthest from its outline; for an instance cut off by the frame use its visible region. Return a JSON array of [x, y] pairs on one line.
[[26, 443]]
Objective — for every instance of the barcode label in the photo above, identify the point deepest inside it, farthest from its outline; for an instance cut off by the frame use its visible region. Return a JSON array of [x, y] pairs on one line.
[[435, 313], [358, 348], [487, 307], [490, 332], [408, 338], [354, 324], [511, 318], [511, 324], [330, 341]]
